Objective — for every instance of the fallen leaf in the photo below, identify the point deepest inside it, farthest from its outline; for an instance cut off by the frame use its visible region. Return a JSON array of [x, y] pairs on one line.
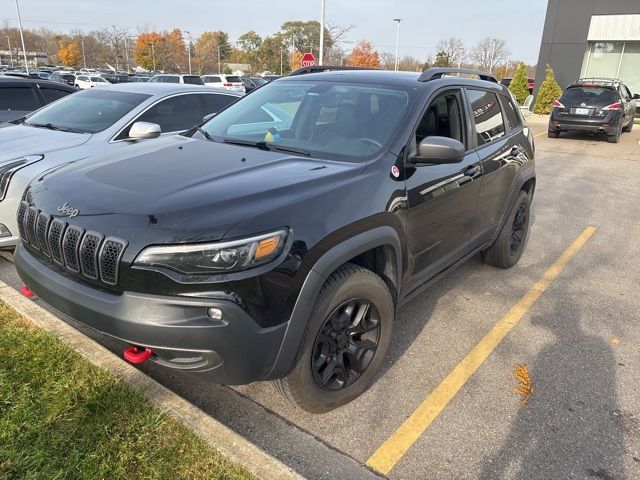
[[525, 386], [615, 342]]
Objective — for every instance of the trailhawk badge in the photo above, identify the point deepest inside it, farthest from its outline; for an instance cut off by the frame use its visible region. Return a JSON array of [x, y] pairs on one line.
[[68, 211]]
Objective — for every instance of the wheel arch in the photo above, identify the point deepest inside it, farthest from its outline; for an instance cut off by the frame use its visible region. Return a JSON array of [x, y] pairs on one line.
[[378, 249]]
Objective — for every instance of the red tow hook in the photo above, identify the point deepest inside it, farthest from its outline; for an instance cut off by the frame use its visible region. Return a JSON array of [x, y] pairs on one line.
[[27, 292], [137, 355]]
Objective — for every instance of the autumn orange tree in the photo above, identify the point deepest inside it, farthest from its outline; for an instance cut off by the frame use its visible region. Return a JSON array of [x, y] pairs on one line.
[[364, 55], [69, 54], [149, 51]]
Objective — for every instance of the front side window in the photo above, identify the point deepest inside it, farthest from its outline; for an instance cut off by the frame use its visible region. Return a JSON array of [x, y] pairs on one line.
[[443, 118], [174, 114], [487, 116], [214, 103], [328, 120], [90, 111], [18, 99]]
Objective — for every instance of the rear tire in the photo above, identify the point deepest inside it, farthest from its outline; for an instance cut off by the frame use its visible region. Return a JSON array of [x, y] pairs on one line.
[[553, 134], [615, 138], [344, 346], [629, 127], [508, 248]]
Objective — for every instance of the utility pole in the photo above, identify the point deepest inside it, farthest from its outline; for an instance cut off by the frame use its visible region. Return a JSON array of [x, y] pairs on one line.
[[397, 20], [126, 54], [153, 57], [321, 56], [219, 64], [10, 52], [189, 48], [84, 58], [24, 50]]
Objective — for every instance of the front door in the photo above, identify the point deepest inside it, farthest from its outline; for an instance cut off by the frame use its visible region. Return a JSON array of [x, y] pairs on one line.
[[442, 199]]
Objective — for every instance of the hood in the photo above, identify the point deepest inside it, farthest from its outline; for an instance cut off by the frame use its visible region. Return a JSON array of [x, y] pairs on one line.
[[182, 189], [20, 140]]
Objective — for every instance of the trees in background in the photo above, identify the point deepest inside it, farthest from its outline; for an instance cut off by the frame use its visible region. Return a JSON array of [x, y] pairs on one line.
[[364, 55], [489, 53], [450, 52], [547, 93], [69, 54], [519, 84]]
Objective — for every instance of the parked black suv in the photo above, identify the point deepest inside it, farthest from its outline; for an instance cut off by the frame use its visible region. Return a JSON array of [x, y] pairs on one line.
[[277, 240], [19, 96], [594, 105]]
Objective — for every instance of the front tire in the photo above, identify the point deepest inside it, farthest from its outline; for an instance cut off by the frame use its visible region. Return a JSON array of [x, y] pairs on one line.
[[553, 134], [508, 248], [345, 343]]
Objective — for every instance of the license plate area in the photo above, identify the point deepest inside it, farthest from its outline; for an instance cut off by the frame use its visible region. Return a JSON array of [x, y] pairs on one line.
[[581, 111]]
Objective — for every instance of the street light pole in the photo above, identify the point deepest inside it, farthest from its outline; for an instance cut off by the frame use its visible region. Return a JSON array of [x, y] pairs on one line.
[[397, 20], [219, 64], [84, 58], [321, 56], [189, 49], [10, 52], [153, 57], [24, 50]]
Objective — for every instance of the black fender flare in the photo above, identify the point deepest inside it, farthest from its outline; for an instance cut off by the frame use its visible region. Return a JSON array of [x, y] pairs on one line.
[[332, 259], [524, 175]]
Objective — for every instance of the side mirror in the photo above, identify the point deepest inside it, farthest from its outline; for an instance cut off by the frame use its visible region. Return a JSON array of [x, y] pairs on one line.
[[206, 118], [144, 130], [636, 96], [439, 150]]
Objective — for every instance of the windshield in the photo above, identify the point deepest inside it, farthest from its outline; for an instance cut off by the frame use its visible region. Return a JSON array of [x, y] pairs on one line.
[[591, 95], [90, 111], [326, 120]]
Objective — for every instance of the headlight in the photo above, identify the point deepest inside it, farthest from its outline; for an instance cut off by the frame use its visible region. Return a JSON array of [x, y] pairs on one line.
[[212, 258], [8, 169]]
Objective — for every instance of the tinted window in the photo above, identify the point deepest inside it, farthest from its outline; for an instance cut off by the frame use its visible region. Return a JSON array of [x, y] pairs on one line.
[[443, 118], [192, 80], [18, 98], [233, 79], [590, 95], [89, 111], [216, 103], [486, 116], [51, 94], [510, 113], [212, 79], [175, 114]]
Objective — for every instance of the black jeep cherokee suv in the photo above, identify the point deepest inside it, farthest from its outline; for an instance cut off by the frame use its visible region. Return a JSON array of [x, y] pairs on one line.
[[277, 240]]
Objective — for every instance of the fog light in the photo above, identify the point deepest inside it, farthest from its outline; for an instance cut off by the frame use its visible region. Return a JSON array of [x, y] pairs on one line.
[[214, 313], [4, 231]]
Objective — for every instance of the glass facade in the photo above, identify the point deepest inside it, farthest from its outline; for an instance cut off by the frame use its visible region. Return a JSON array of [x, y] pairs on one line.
[[614, 60]]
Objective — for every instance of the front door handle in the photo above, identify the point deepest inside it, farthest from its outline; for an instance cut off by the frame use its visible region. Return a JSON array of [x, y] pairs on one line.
[[473, 171]]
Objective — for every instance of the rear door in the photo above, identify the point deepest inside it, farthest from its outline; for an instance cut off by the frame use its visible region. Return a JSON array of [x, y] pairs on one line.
[[501, 147]]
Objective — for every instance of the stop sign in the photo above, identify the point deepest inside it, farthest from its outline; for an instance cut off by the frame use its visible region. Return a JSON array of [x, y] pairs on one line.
[[308, 60]]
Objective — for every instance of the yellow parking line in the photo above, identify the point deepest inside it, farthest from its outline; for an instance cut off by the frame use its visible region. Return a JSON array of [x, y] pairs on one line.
[[397, 445], [539, 134]]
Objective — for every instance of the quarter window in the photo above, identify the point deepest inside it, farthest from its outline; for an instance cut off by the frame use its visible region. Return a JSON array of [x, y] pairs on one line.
[[510, 113], [487, 116]]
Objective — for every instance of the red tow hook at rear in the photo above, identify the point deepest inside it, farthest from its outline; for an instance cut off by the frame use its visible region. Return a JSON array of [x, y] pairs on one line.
[[27, 292], [137, 355]]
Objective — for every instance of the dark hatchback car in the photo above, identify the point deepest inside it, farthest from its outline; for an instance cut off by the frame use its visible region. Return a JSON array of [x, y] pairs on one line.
[[531, 83], [61, 77], [596, 106], [19, 96], [277, 240]]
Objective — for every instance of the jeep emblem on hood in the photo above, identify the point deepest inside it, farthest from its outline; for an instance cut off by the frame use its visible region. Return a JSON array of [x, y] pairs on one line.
[[68, 211]]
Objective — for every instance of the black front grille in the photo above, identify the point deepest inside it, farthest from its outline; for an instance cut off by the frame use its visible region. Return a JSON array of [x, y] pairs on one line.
[[88, 254]]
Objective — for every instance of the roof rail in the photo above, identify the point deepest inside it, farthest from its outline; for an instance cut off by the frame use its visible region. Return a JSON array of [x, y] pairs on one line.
[[439, 72], [598, 79], [326, 68]]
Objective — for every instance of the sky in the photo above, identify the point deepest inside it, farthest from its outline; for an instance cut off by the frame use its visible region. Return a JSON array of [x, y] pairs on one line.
[[424, 22]]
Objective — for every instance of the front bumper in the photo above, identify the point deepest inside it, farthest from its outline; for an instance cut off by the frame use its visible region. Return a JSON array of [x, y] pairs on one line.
[[235, 350]]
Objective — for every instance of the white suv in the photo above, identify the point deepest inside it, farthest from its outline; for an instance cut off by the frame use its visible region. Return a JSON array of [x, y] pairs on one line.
[[85, 81], [228, 82], [176, 78]]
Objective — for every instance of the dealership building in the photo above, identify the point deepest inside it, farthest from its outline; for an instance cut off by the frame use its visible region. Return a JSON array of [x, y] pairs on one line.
[[592, 38]]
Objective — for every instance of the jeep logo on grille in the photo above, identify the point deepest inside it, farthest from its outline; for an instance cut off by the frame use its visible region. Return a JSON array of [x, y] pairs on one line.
[[68, 211]]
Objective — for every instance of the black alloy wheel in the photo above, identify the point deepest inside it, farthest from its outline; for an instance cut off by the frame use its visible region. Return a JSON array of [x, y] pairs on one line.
[[518, 230], [345, 344]]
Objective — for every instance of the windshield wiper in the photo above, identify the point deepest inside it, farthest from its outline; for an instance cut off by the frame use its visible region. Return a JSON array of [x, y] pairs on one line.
[[205, 133], [268, 146], [51, 126]]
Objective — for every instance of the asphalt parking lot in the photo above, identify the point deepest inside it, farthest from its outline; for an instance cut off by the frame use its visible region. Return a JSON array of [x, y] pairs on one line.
[[578, 339]]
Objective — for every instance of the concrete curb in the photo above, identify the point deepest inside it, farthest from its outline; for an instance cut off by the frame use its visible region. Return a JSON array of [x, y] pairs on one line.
[[220, 437]]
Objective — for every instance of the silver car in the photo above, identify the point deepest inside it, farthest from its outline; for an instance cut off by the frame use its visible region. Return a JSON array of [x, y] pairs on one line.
[[89, 122]]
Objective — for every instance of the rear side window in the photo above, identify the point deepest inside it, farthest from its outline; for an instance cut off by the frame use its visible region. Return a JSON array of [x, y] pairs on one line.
[[216, 103], [487, 116], [52, 94], [212, 80], [233, 79], [18, 98], [510, 113], [175, 114]]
